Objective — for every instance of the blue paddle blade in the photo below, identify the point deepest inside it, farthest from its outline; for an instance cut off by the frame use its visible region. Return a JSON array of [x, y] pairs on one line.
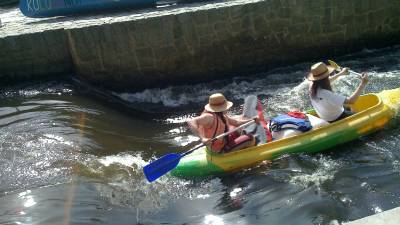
[[161, 166]]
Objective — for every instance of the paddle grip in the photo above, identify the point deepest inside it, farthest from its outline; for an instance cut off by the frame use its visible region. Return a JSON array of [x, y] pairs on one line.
[[339, 68], [352, 71]]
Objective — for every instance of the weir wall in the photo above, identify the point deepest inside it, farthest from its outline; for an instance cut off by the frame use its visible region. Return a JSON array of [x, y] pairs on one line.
[[196, 42]]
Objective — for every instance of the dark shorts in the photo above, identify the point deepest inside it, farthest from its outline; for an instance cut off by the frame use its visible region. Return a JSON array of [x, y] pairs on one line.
[[346, 113]]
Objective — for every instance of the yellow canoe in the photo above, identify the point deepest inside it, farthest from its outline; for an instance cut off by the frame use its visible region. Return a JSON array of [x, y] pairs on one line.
[[374, 111]]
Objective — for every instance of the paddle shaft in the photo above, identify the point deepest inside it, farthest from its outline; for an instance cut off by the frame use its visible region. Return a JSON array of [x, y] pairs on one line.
[[339, 68], [350, 71], [356, 73], [168, 162], [217, 137]]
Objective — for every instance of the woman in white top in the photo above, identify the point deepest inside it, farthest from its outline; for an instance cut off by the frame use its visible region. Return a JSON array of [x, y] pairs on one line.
[[328, 104]]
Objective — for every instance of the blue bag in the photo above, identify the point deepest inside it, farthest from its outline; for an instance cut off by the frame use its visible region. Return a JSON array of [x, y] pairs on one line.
[[284, 121]]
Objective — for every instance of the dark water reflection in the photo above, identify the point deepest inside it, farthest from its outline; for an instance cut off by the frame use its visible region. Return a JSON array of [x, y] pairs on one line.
[[66, 158]]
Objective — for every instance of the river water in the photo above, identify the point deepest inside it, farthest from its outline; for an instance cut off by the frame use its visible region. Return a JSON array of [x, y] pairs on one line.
[[69, 158]]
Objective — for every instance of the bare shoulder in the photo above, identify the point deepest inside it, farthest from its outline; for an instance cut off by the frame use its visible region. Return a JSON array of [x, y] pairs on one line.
[[205, 118], [236, 118]]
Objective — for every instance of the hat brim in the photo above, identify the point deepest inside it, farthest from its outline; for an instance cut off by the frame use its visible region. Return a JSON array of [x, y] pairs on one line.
[[311, 76], [220, 108]]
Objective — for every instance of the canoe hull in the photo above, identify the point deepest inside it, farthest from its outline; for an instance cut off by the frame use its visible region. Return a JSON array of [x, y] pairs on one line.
[[374, 114], [49, 8]]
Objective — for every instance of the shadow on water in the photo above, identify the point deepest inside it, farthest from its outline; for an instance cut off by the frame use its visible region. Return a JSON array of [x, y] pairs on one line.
[[108, 98]]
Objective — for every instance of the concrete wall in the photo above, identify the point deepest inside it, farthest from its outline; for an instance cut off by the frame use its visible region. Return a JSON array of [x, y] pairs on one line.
[[34, 55], [204, 42]]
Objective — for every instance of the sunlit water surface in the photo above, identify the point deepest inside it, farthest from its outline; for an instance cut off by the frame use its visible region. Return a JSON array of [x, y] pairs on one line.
[[66, 158]]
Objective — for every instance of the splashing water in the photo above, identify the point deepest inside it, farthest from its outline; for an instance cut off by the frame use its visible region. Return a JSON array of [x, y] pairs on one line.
[[325, 170]]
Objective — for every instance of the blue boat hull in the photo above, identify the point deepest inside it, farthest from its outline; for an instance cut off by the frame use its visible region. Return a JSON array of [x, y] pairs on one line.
[[49, 8]]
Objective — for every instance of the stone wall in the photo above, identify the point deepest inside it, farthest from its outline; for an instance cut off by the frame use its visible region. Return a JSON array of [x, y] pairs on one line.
[[202, 42], [34, 55]]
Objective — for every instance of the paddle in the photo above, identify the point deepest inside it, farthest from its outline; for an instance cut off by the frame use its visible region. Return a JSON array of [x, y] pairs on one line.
[[163, 165], [338, 68]]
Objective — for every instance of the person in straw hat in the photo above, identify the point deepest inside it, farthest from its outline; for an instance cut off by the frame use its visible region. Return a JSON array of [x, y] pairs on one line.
[[214, 121], [328, 104]]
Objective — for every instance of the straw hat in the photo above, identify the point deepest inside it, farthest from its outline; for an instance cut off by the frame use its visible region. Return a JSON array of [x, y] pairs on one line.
[[218, 103], [319, 71]]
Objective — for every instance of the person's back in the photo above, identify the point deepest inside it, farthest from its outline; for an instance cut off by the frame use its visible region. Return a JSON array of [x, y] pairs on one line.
[[213, 125], [214, 121], [327, 104]]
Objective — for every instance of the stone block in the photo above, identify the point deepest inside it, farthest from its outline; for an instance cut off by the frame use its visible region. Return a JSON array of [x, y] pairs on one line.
[[349, 19], [235, 13], [55, 37], [190, 34], [361, 22], [279, 24], [391, 12], [298, 29], [141, 40], [140, 36], [128, 59], [80, 38], [168, 30], [347, 7], [327, 17], [376, 18], [205, 42], [327, 28], [394, 24], [200, 17], [375, 4], [312, 6], [167, 52], [284, 13], [223, 31], [259, 9], [362, 7], [145, 57], [121, 39], [83, 45], [185, 18], [276, 4], [315, 28], [337, 37], [25, 42], [217, 15], [236, 26], [204, 30], [154, 33], [260, 24], [10, 42]]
